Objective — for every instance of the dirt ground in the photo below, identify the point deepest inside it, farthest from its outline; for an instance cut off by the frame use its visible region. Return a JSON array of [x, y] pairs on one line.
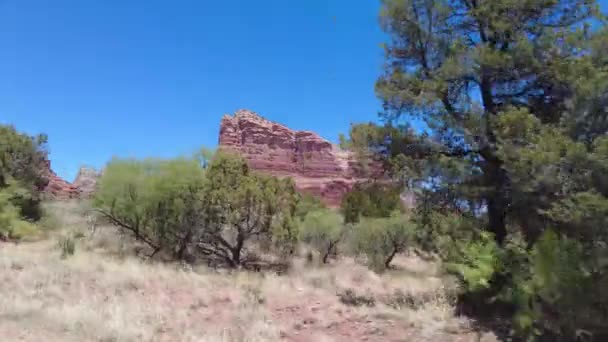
[[99, 296]]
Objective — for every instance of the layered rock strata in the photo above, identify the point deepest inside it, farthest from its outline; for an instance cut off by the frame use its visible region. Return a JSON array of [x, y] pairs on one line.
[[317, 166]]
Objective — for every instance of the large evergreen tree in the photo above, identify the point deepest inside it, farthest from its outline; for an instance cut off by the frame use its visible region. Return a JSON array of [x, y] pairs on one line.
[[512, 169], [460, 65]]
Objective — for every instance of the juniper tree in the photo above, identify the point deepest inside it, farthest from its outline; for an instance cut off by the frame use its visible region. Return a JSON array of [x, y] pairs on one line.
[[241, 206]]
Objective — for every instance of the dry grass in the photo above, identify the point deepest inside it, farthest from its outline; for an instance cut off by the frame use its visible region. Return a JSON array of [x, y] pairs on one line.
[[102, 294]]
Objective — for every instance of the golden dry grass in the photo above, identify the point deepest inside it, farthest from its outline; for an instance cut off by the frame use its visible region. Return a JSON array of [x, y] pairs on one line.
[[103, 294]]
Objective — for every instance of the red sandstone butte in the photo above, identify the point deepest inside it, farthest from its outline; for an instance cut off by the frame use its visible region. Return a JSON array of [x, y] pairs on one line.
[[57, 187], [317, 166], [86, 181]]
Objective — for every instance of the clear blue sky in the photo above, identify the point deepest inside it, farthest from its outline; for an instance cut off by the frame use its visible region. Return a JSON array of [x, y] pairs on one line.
[[153, 77]]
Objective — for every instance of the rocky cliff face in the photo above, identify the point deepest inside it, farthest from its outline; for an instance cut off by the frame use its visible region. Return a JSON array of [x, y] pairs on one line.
[[86, 181], [57, 187], [317, 166]]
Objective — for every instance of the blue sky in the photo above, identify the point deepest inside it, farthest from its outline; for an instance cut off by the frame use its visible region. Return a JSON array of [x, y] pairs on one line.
[[153, 77]]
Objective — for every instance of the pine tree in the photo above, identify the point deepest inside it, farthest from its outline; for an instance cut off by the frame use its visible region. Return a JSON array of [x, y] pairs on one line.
[[513, 95], [460, 65]]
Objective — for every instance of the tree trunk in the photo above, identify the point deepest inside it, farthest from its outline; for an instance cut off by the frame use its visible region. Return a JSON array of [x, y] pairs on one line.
[[496, 219], [325, 257], [328, 252], [496, 180], [495, 176], [388, 260], [183, 248], [236, 251]]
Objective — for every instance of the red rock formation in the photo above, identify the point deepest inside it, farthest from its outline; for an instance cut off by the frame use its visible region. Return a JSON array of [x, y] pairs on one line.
[[58, 188], [86, 181], [317, 166]]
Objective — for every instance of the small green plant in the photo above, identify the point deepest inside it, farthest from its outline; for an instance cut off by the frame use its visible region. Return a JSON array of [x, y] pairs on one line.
[[352, 298], [67, 245]]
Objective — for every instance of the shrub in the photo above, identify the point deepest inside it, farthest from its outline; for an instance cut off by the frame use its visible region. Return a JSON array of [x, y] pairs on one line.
[[12, 225], [67, 245], [188, 207], [323, 230], [370, 200], [555, 289], [475, 262], [307, 203], [552, 287], [239, 206], [157, 201], [380, 239], [22, 162], [352, 298]]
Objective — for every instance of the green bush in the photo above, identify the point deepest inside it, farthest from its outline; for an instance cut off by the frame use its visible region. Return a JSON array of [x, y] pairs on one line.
[[67, 245], [380, 239], [351, 298], [555, 289], [240, 206], [323, 230], [191, 208], [475, 262], [370, 200], [22, 162], [12, 225], [467, 252], [155, 200], [307, 203]]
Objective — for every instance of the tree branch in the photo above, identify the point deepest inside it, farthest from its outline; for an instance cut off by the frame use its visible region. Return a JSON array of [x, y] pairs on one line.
[[113, 219]]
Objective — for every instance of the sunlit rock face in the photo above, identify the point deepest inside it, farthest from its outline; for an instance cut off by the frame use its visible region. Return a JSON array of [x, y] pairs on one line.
[[86, 181], [57, 187], [317, 166]]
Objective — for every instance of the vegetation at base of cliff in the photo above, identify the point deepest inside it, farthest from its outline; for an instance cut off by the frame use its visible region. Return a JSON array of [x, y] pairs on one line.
[[22, 162], [370, 199], [511, 172]]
